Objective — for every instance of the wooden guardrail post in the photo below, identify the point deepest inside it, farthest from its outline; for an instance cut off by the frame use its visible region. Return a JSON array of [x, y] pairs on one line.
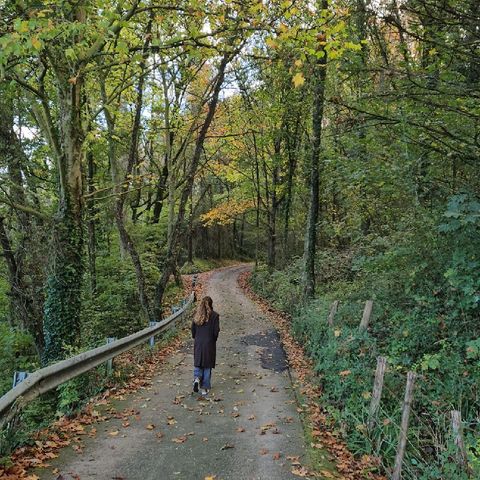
[[402, 438], [457, 430], [333, 312], [367, 312], [377, 390]]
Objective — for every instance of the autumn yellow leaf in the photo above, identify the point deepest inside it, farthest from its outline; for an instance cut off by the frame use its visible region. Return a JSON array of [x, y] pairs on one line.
[[271, 43], [36, 43], [298, 79]]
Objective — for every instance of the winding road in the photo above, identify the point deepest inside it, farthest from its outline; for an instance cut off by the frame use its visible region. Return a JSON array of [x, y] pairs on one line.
[[245, 430]]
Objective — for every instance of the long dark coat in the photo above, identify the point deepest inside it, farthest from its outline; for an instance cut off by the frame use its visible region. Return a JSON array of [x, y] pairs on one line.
[[205, 345]]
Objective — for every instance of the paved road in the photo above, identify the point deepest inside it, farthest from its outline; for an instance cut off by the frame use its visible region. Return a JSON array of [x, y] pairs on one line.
[[244, 431]]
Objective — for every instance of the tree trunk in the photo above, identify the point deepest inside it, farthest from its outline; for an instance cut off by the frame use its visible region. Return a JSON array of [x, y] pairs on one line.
[[319, 77], [122, 190], [64, 283], [25, 299], [168, 264], [91, 224]]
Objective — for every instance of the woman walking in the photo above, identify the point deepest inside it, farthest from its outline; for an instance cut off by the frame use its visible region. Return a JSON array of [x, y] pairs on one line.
[[205, 330]]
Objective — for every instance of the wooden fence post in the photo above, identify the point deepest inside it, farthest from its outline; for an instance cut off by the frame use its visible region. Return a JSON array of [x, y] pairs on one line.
[[377, 390], [402, 438], [457, 430], [367, 312], [333, 311]]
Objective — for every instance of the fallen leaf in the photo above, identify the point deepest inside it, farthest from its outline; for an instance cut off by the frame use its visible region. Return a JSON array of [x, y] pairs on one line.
[[114, 433], [150, 426], [276, 456], [227, 446], [181, 439], [240, 429], [263, 451], [300, 471], [327, 474]]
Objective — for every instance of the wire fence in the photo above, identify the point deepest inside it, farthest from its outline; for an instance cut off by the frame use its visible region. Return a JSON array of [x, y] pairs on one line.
[[415, 433]]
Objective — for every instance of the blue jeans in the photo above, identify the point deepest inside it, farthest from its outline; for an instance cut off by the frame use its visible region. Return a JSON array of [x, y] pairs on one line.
[[204, 374]]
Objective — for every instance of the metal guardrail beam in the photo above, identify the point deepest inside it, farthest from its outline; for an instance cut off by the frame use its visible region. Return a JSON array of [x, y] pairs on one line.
[[50, 377]]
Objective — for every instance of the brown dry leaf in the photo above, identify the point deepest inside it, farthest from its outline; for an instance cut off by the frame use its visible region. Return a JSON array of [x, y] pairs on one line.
[[344, 373], [300, 471], [150, 426], [327, 474], [181, 439], [251, 417], [227, 446], [159, 435], [240, 429], [267, 426], [205, 439], [114, 433], [263, 451], [211, 477], [276, 456], [125, 424]]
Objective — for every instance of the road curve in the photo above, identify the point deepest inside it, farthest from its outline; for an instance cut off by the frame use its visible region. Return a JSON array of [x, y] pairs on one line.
[[244, 431]]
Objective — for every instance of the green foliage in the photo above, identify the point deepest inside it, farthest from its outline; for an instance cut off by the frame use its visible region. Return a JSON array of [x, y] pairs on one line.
[[114, 311], [75, 393], [281, 287], [423, 280], [37, 414], [62, 306], [17, 353]]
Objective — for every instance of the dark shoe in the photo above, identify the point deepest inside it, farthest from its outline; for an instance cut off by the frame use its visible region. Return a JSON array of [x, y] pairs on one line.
[[196, 383]]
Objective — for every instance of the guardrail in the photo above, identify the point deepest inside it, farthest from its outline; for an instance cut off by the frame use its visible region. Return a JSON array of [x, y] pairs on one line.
[[50, 377]]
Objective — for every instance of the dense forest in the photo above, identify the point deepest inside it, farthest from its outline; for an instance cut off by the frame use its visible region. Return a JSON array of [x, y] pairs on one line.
[[334, 143]]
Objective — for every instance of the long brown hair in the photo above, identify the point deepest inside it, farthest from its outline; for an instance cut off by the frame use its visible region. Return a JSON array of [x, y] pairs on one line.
[[204, 310]]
